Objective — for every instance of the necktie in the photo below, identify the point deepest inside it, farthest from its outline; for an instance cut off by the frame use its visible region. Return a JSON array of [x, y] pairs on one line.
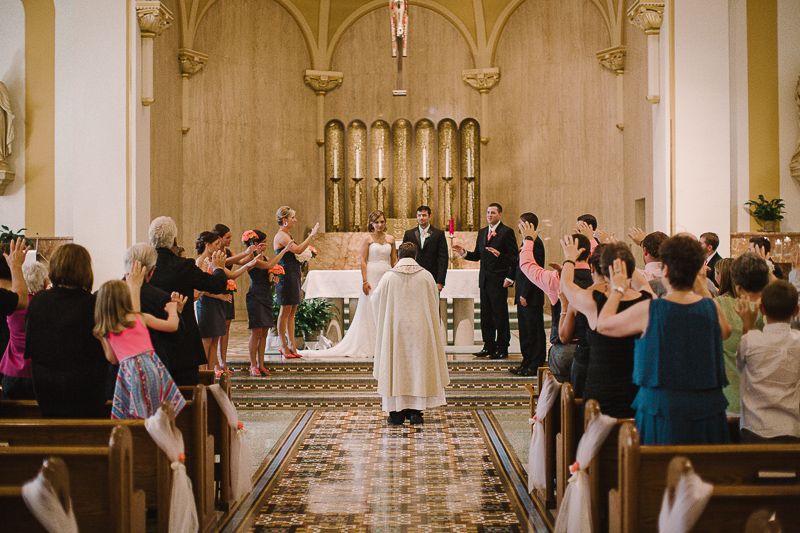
[[491, 234]]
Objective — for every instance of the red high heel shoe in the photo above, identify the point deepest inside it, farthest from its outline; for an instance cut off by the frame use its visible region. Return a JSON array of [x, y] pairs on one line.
[[285, 355]]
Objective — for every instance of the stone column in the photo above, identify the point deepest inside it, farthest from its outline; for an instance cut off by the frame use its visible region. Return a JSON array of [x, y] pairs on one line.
[[192, 62], [154, 18], [322, 81], [483, 80], [648, 17], [614, 60]]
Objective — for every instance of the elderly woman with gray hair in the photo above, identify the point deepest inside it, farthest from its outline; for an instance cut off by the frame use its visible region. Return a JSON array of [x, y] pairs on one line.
[[185, 352], [16, 370]]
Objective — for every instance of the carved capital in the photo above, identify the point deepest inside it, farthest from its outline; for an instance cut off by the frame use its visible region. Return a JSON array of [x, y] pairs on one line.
[[322, 81], [647, 16], [154, 17], [191, 61], [613, 58], [481, 79]]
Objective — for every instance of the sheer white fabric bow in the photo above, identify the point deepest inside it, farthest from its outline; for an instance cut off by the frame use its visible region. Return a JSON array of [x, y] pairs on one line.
[[575, 515], [691, 497], [241, 456], [44, 504], [182, 510], [536, 460]]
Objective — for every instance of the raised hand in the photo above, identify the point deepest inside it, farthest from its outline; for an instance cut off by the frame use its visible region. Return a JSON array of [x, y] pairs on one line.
[[637, 235], [135, 278], [585, 230], [527, 230], [492, 251], [570, 248], [16, 254], [179, 299], [315, 229], [605, 237], [746, 312], [619, 275], [459, 249], [218, 260], [700, 286], [170, 307]]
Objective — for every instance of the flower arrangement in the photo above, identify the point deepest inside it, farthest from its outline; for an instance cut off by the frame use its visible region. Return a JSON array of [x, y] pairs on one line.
[[249, 238], [231, 288], [308, 254], [312, 315], [276, 273]]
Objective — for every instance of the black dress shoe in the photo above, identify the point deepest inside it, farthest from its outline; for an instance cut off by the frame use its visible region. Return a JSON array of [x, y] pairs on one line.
[[528, 372], [416, 419], [396, 418], [499, 355], [484, 353], [517, 370]]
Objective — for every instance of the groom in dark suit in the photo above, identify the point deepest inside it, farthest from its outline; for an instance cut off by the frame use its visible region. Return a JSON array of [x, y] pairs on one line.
[[431, 245], [496, 249]]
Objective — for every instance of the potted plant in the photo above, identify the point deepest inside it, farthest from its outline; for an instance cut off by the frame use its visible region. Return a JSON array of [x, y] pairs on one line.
[[768, 212], [6, 235], [312, 316]]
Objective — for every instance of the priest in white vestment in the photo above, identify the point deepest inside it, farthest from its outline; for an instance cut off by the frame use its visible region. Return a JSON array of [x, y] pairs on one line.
[[410, 363]]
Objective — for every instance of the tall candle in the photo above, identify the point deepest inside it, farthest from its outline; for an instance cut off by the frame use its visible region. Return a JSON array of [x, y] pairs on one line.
[[358, 164], [424, 162], [469, 163], [335, 164], [450, 227], [380, 163], [447, 163]]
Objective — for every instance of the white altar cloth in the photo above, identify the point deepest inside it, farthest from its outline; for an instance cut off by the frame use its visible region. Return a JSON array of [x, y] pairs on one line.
[[460, 283]]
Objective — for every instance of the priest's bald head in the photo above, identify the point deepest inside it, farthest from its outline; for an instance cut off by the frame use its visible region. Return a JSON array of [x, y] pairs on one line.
[[407, 249]]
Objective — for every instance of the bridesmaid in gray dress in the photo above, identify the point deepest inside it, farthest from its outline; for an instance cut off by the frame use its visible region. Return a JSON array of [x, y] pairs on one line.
[[259, 306], [288, 290]]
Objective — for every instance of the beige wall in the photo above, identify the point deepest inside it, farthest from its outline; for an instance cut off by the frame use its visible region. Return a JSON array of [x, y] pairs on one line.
[[554, 142], [251, 147]]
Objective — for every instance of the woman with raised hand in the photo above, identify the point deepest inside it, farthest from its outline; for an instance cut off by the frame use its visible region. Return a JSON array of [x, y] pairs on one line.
[[288, 288], [259, 305], [678, 360], [210, 308]]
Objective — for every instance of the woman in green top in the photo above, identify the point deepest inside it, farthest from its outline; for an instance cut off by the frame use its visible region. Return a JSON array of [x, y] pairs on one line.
[[749, 276]]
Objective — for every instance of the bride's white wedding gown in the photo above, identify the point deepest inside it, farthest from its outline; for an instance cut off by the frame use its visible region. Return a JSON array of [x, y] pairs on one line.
[[359, 340]]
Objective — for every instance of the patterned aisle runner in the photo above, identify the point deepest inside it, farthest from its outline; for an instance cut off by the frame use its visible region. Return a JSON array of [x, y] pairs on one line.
[[348, 470]]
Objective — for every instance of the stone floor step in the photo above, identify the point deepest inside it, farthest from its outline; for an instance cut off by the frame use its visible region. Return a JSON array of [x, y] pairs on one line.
[[327, 399], [241, 368]]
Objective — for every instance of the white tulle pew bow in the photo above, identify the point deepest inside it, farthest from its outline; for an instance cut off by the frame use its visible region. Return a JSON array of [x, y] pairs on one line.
[[685, 498], [548, 393], [241, 456], [47, 497]]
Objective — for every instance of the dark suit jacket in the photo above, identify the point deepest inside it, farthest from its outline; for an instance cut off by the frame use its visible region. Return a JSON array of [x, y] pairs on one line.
[[710, 272], [433, 256], [491, 267], [524, 287], [176, 274]]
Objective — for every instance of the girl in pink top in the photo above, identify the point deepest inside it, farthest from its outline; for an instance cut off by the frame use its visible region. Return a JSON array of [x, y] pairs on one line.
[[142, 382]]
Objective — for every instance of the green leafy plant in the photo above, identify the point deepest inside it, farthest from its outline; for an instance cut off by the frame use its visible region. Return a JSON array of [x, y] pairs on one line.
[[765, 210], [312, 315], [6, 235]]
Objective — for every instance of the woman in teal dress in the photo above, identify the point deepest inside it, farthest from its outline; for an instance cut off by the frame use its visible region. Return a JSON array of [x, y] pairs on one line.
[[678, 360]]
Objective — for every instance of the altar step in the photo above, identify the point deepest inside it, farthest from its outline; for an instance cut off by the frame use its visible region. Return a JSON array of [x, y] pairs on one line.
[[317, 384]]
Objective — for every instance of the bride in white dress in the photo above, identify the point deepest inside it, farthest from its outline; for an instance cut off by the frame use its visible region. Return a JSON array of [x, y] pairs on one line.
[[378, 255]]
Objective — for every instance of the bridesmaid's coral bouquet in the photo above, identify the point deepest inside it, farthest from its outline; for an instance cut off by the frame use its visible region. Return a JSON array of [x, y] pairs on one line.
[[276, 273], [231, 288]]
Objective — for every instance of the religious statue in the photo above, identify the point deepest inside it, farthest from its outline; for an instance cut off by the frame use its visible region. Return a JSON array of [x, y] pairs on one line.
[[794, 165], [399, 9], [6, 127]]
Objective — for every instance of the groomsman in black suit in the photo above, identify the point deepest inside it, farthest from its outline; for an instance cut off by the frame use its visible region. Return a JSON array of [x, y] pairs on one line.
[[431, 246], [530, 311], [497, 251]]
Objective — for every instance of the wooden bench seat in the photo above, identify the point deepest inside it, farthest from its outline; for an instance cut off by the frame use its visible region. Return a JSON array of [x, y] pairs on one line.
[[101, 484], [551, 426], [733, 469]]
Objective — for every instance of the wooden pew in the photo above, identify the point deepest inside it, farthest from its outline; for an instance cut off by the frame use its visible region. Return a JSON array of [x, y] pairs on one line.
[[151, 469], [570, 432], [101, 484], [551, 425], [12, 503], [198, 442], [219, 428], [603, 470], [732, 469], [206, 377]]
